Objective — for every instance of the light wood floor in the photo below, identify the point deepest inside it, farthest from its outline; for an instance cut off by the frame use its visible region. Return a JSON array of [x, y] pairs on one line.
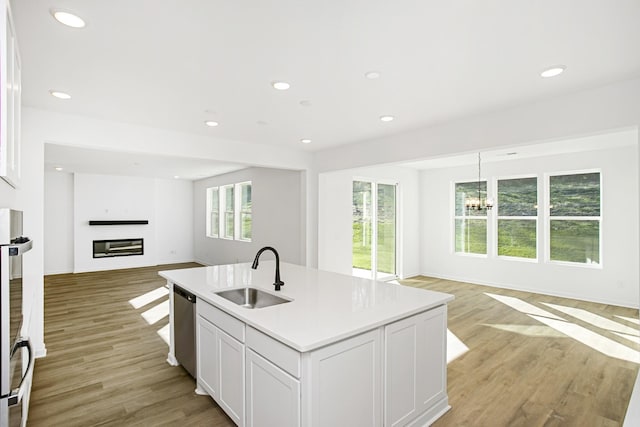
[[107, 366]]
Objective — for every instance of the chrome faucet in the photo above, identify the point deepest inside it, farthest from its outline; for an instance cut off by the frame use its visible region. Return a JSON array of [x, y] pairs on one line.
[[277, 282]]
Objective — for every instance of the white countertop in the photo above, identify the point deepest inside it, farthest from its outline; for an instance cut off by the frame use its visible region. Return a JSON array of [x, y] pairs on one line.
[[325, 308]]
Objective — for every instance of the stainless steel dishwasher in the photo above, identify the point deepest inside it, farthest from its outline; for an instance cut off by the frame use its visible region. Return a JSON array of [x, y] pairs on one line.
[[184, 320]]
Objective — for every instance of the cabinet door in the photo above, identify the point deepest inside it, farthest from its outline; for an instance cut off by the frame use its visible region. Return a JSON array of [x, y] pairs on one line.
[[273, 396], [346, 383], [415, 367], [230, 366], [207, 345], [11, 102]]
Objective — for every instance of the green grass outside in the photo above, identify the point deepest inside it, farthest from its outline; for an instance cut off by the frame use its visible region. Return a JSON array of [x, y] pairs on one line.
[[386, 246]]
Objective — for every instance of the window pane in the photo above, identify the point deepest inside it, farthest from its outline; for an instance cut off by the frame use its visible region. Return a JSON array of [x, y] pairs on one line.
[[575, 195], [471, 236], [228, 198], [386, 229], [245, 226], [361, 223], [469, 190], [215, 225], [575, 241], [245, 214], [245, 198], [214, 200], [518, 197], [517, 238], [228, 225]]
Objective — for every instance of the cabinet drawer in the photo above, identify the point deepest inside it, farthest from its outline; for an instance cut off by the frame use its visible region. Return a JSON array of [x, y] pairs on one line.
[[279, 354], [222, 320]]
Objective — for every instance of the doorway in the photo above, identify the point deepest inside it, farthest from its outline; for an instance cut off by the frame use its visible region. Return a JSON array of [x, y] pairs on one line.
[[374, 225]]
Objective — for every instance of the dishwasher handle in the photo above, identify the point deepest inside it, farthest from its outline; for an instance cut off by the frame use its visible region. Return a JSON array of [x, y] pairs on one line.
[[184, 294]]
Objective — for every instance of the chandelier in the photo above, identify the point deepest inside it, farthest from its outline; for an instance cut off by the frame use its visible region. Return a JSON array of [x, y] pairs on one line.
[[478, 203]]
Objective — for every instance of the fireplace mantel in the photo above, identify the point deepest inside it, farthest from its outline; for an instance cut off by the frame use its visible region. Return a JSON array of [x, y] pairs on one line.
[[119, 222]]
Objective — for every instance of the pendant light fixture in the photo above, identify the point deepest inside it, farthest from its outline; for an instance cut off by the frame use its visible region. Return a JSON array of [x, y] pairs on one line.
[[478, 203]]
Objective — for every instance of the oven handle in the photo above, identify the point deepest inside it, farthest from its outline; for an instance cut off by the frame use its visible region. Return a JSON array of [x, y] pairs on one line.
[[16, 394]]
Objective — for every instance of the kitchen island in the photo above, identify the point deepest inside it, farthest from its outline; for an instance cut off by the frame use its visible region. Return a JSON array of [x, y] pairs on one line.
[[340, 351]]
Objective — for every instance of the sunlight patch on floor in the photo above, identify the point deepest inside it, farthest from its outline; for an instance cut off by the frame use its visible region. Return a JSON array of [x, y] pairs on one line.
[[629, 319], [594, 319], [523, 307], [579, 333], [631, 338], [596, 341], [165, 334], [455, 347], [156, 313], [149, 297], [528, 330]]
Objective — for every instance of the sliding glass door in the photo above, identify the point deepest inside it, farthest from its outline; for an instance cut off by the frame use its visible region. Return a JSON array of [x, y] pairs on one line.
[[374, 224]]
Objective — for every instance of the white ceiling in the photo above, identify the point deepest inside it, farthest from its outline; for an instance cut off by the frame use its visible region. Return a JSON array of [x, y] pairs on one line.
[[609, 141], [173, 64], [83, 160]]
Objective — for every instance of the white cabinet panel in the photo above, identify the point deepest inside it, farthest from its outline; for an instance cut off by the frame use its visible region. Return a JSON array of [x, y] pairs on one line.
[[230, 365], [207, 349], [273, 396], [346, 383], [415, 367]]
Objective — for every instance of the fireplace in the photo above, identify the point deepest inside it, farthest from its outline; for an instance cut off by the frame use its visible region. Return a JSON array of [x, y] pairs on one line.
[[120, 247]]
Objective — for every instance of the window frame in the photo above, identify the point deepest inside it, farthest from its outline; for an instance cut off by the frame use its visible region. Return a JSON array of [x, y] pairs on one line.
[[210, 227], [223, 210], [498, 217], [217, 231], [239, 211], [548, 219], [481, 217]]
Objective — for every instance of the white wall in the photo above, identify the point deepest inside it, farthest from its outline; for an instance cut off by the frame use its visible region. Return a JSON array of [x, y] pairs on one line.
[[277, 217], [103, 197], [335, 216], [174, 221], [58, 223], [615, 283], [72, 200]]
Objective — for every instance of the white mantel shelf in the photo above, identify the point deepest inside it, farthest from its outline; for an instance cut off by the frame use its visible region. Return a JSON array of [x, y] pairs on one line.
[[326, 307]]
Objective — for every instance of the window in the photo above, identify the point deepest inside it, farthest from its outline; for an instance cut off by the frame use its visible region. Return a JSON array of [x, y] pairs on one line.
[[228, 216], [470, 224], [227, 203], [518, 217], [213, 211], [374, 229], [574, 218], [245, 211]]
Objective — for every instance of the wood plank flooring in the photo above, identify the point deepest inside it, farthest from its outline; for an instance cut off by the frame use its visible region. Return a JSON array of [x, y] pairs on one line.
[[106, 366]]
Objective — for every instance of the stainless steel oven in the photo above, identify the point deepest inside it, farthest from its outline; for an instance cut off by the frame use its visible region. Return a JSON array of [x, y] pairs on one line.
[[16, 354]]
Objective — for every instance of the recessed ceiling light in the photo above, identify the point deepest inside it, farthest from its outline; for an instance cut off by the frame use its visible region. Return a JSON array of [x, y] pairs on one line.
[[280, 85], [68, 19], [60, 95], [59, 168], [176, 176], [305, 103], [305, 141], [387, 118], [372, 75], [556, 70], [211, 123]]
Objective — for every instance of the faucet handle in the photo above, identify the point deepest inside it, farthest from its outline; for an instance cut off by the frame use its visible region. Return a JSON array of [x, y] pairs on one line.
[[278, 285]]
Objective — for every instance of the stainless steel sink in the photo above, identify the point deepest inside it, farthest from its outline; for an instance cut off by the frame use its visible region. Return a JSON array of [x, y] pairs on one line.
[[251, 297]]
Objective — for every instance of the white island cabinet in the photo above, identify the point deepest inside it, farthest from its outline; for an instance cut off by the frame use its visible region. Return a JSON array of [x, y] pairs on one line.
[[342, 351]]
